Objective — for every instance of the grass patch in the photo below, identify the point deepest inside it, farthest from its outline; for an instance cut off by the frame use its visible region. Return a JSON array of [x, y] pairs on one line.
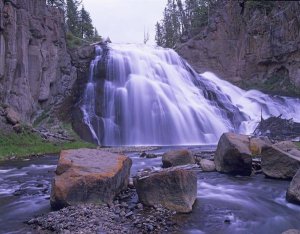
[[298, 144], [28, 143]]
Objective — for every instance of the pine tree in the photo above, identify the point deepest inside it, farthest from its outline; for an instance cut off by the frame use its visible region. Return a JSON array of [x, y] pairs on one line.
[[73, 17], [159, 35], [86, 26], [96, 37], [56, 3]]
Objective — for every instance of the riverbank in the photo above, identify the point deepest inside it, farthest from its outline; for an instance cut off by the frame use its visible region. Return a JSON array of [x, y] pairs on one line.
[[27, 143]]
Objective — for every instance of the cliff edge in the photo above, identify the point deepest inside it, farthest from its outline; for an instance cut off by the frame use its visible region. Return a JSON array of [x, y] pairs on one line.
[[255, 48]]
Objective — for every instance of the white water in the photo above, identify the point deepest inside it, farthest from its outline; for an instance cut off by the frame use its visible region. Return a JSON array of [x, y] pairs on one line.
[[153, 97]]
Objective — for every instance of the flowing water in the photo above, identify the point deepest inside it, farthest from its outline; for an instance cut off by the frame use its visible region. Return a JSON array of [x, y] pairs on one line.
[[251, 205], [153, 97]]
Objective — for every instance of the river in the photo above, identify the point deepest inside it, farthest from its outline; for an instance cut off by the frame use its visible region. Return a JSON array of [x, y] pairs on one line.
[[225, 204]]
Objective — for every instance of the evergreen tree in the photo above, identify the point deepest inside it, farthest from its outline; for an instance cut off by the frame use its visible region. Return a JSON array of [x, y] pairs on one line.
[[56, 3], [73, 17], [96, 37], [86, 26], [159, 34]]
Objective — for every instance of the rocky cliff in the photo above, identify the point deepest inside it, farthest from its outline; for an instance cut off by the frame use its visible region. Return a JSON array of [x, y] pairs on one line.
[[258, 48], [36, 73]]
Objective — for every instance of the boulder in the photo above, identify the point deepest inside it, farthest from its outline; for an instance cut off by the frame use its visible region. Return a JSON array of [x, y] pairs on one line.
[[12, 116], [233, 155], [257, 144], [88, 176], [207, 165], [281, 160], [174, 188], [293, 192], [177, 157]]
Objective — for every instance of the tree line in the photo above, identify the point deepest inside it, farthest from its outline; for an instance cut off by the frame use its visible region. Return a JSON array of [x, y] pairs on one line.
[[182, 19], [78, 20]]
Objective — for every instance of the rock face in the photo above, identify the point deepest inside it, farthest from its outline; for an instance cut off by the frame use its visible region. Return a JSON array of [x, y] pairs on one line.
[[233, 155], [281, 161], [263, 46], [35, 68], [293, 192], [177, 157], [88, 176], [174, 188]]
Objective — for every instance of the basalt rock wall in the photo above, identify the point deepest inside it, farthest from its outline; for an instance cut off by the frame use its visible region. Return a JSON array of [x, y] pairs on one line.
[[258, 48], [36, 72]]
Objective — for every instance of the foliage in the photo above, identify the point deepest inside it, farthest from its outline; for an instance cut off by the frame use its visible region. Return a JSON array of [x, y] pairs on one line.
[[80, 29], [57, 3], [86, 26], [73, 17], [182, 19], [262, 5], [28, 143]]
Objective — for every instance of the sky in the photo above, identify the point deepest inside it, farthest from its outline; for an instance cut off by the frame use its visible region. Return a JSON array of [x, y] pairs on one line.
[[125, 21]]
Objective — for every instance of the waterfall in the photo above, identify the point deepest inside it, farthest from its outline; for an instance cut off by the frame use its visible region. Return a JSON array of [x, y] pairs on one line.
[[151, 96]]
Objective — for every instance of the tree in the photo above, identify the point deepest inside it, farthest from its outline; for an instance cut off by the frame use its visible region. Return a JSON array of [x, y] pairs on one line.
[[73, 19], [159, 34], [96, 37], [146, 36], [86, 26], [56, 3]]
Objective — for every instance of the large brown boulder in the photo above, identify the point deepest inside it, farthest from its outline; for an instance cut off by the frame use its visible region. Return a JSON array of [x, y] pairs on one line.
[[88, 176], [174, 188], [293, 192], [233, 154], [281, 160], [177, 157]]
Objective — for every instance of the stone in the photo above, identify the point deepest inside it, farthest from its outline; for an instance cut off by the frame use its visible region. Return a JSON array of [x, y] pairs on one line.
[[246, 42], [281, 160], [233, 155], [12, 116], [177, 157], [257, 144], [17, 128], [207, 165], [88, 176], [36, 71], [292, 231], [174, 188], [293, 192]]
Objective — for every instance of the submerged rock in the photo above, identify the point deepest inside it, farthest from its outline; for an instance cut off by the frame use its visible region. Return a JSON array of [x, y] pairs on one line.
[[293, 192], [207, 165], [88, 176], [233, 155], [281, 160], [174, 188], [177, 157]]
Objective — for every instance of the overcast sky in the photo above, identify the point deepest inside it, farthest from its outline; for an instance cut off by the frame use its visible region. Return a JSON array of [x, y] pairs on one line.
[[124, 21]]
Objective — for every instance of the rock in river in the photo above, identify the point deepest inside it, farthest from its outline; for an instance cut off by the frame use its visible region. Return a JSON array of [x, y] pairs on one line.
[[207, 165], [177, 157], [293, 192], [174, 188], [88, 176], [233, 154], [281, 160]]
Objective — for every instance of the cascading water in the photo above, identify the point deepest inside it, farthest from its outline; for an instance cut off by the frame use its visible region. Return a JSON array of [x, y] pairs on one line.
[[153, 97]]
